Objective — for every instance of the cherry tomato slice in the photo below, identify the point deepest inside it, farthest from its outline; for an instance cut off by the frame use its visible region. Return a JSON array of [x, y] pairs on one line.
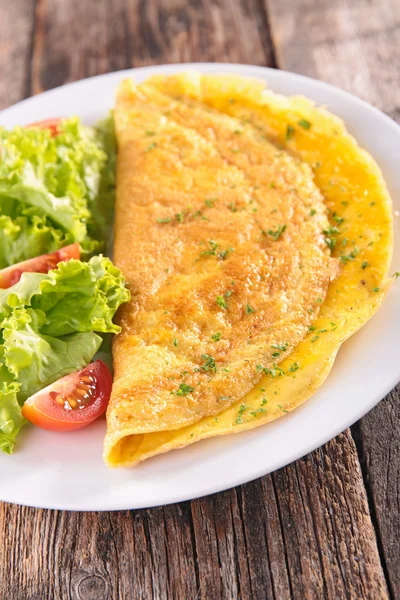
[[52, 124], [72, 402], [39, 264]]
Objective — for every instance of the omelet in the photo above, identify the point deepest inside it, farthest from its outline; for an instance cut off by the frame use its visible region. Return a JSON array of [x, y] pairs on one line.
[[255, 237]]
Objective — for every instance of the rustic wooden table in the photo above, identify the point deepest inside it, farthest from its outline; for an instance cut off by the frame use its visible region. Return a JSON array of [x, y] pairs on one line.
[[326, 526]]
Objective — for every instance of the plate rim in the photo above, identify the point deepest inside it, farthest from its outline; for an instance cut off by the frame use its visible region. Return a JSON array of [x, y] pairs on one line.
[[317, 441]]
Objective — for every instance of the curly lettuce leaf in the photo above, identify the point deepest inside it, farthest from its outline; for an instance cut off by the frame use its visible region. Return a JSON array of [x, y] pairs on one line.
[[55, 190], [11, 419], [48, 325], [36, 360], [75, 297]]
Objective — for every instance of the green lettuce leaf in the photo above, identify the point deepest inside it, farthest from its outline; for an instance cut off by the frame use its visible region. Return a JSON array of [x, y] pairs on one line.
[[51, 188], [36, 360], [77, 296], [48, 328]]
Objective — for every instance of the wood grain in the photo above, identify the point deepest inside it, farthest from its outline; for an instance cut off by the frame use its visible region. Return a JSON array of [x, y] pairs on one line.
[[15, 50], [305, 532], [356, 45]]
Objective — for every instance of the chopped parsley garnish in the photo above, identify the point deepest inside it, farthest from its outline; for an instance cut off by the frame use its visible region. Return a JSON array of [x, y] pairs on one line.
[[315, 338], [365, 264], [184, 389], [249, 309], [232, 207], [282, 347], [220, 300], [282, 409], [212, 251], [148, 132], [210, 202], [175, 342], [290, 132], [228, 293], [274, 371], [294, 367], [209, 363], [330, 242], [151, 147], [216, 337], [239, 418], [272, 185], [319, 300], [164, 220], [312, 328], [179, 217], [339, 220], [223, 254], [258, 411], [331, 230], [313, 212], [377, 289], [304, 123], [350, 256], [264, 402], [276, 234], [396, 275]]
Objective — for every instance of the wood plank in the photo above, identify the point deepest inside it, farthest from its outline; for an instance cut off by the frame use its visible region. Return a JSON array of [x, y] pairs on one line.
[[108, 35], [356, 45], [304, 532], [16, 31]]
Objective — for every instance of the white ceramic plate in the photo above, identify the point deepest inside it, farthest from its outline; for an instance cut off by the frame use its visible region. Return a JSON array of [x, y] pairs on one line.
[[66, 471]]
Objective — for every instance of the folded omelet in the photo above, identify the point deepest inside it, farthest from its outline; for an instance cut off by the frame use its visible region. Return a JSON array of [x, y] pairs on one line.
[[255, 237]]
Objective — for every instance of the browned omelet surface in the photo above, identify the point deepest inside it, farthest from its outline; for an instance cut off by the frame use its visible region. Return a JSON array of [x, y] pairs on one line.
[[219, 234]]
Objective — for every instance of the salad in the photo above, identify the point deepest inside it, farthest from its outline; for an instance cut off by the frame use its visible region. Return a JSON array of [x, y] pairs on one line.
[[58, 292]]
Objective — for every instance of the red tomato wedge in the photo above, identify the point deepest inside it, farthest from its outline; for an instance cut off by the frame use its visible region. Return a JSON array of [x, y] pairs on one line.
[[73, 401], [39, 264], [52, 124]]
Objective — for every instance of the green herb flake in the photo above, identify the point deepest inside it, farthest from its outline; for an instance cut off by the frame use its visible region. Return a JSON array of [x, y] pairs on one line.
[[216, 337], [330, 242], [151, 147], [179, 217], [377, 289], [249, 310], [313, 212], [337, 219], [242, 409], [346, 258], [164, 220], [304, 123], [258, 411], [148, 132], [175, 342], [184, 389], [264, 402], [210, 202], [365, 264], [282, 409], [232, 207], [276, 234], [275, 371], [282, 347], [220, 300], [212, 251], [290, 131]]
